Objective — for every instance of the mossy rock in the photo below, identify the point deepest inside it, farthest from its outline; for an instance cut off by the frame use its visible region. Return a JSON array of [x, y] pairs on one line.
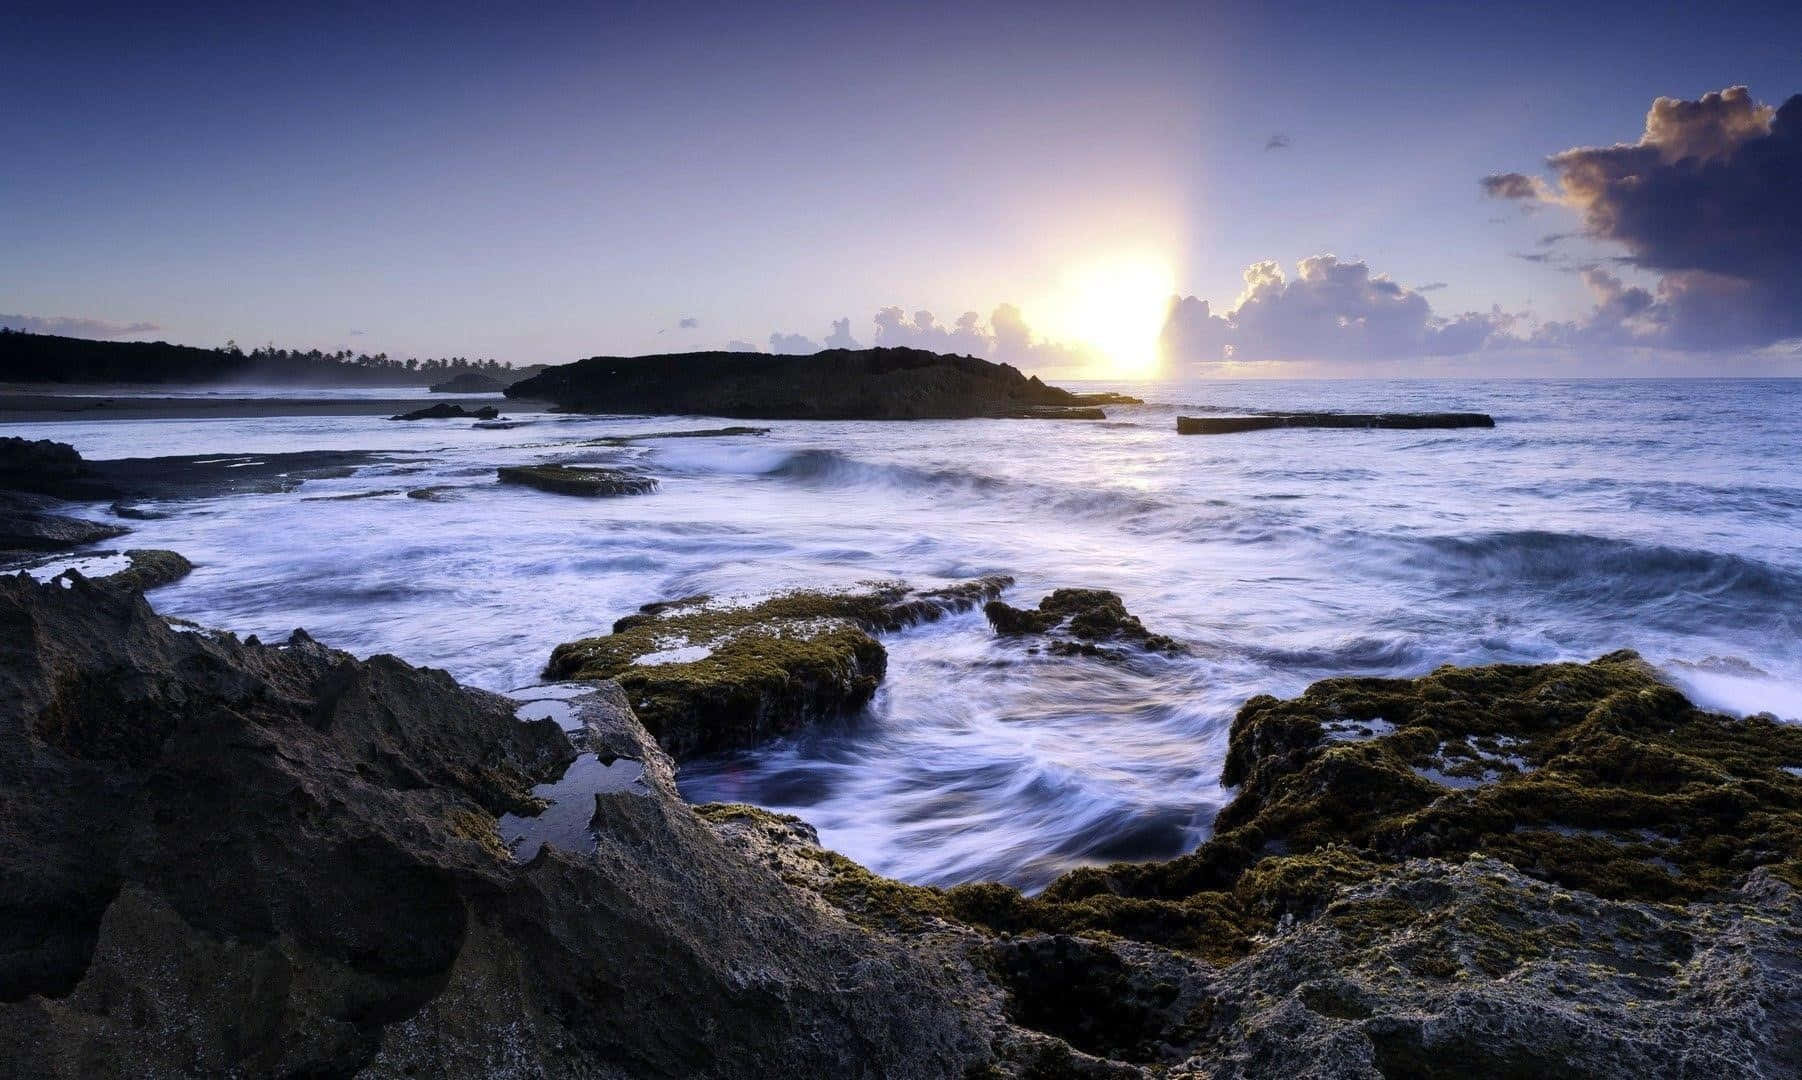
[[578, 480], [705, 675], [1080, 622], [1595, 777]]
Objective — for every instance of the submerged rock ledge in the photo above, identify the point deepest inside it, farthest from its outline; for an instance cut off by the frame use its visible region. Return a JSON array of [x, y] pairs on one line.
[[222, 857], [838, 384]]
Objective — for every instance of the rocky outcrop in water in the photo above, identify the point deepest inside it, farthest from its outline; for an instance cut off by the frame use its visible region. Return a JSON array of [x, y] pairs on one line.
[[446, 411], [1563, 871], [1080, 622], [706, 675], [225, 858], [470, 382], [1227, 425], [578, 479], [838, 384]]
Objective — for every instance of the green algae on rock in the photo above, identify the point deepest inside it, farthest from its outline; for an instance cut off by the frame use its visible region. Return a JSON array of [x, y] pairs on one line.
[[706, 675], [578, 479], [1080, 622], [1593, 776], [1602, 881]]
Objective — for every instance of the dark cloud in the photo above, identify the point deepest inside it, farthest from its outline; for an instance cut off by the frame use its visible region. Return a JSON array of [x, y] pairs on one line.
[[72, 326], [1708, 198], [1550, 239], [1512, 186], [1430, 286], [687, 322], [1332, 310], [1279, 141], [1534, 256]]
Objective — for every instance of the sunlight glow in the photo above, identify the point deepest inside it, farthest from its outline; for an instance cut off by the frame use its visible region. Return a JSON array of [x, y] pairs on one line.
[[1115, 306]]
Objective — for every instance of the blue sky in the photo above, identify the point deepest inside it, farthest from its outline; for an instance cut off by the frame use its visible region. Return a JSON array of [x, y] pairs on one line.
[[551, 184]]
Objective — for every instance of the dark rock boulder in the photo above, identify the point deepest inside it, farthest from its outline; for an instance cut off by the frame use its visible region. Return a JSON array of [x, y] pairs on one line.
[[28, 524], [42, 467], [838, 384], [578, 479], [446, 411], [1080, 622], [469, 382], [706, 676], [224, 858]]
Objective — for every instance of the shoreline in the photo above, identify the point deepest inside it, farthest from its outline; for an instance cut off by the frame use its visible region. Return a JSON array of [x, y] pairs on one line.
[[17, 407]]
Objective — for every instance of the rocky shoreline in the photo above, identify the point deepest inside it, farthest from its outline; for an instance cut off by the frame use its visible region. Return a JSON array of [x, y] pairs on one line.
[[229, 857]]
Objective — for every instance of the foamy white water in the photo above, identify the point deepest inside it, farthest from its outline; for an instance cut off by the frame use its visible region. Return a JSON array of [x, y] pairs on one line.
[[1661, 516]]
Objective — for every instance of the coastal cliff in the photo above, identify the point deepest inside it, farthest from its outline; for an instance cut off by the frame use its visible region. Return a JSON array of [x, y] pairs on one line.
[[230, 857], [838, 384]]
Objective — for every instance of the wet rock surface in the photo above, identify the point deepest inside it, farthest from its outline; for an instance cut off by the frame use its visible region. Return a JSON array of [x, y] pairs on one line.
[[31, 523], [220, 857], [1415, 421], [470, 382], [1622, 902], [42, 467], [838, 384], [588, 480], [706, 675], [230, 858], [1080, 622], [447, 411]]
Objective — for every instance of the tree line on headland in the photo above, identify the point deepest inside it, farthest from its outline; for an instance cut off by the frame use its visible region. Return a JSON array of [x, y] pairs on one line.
[[46, 358]]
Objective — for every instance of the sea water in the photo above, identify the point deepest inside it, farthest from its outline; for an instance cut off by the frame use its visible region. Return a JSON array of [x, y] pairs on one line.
[[1664, 516]]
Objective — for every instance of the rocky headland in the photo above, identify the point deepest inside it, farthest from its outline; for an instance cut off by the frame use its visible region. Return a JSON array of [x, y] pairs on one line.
[[838, 384], [226, 857]]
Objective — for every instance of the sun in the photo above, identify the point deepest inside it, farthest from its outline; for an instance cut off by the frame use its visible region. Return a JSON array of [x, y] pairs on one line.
[[1116, 306]]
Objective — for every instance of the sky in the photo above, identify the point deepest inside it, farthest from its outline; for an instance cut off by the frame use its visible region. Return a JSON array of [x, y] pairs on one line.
[[543, 185]]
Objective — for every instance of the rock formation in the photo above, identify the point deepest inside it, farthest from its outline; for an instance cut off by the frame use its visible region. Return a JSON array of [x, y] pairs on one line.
[[705, 675], [839, 384], [228, 858], [578, 479]]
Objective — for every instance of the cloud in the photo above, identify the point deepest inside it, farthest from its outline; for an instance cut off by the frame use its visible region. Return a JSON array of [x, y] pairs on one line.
[[1330, 310], [924, 331], [792, 343], [1515, 186], [841, 338], [1005, 337], [735, 345], [72, 326], [687, 322], [1279, 141], [1431, 286], [1706, 198]]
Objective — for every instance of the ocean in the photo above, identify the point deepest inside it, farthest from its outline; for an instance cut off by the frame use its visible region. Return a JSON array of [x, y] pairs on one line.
[[1663, 516]]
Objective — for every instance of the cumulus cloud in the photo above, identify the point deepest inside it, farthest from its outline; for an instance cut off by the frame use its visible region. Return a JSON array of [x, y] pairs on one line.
[[735, 345], [687, 322], [1707, 198], [792, 343], [1004, 337], [72, 326], [841, 338], [1331, 310]]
